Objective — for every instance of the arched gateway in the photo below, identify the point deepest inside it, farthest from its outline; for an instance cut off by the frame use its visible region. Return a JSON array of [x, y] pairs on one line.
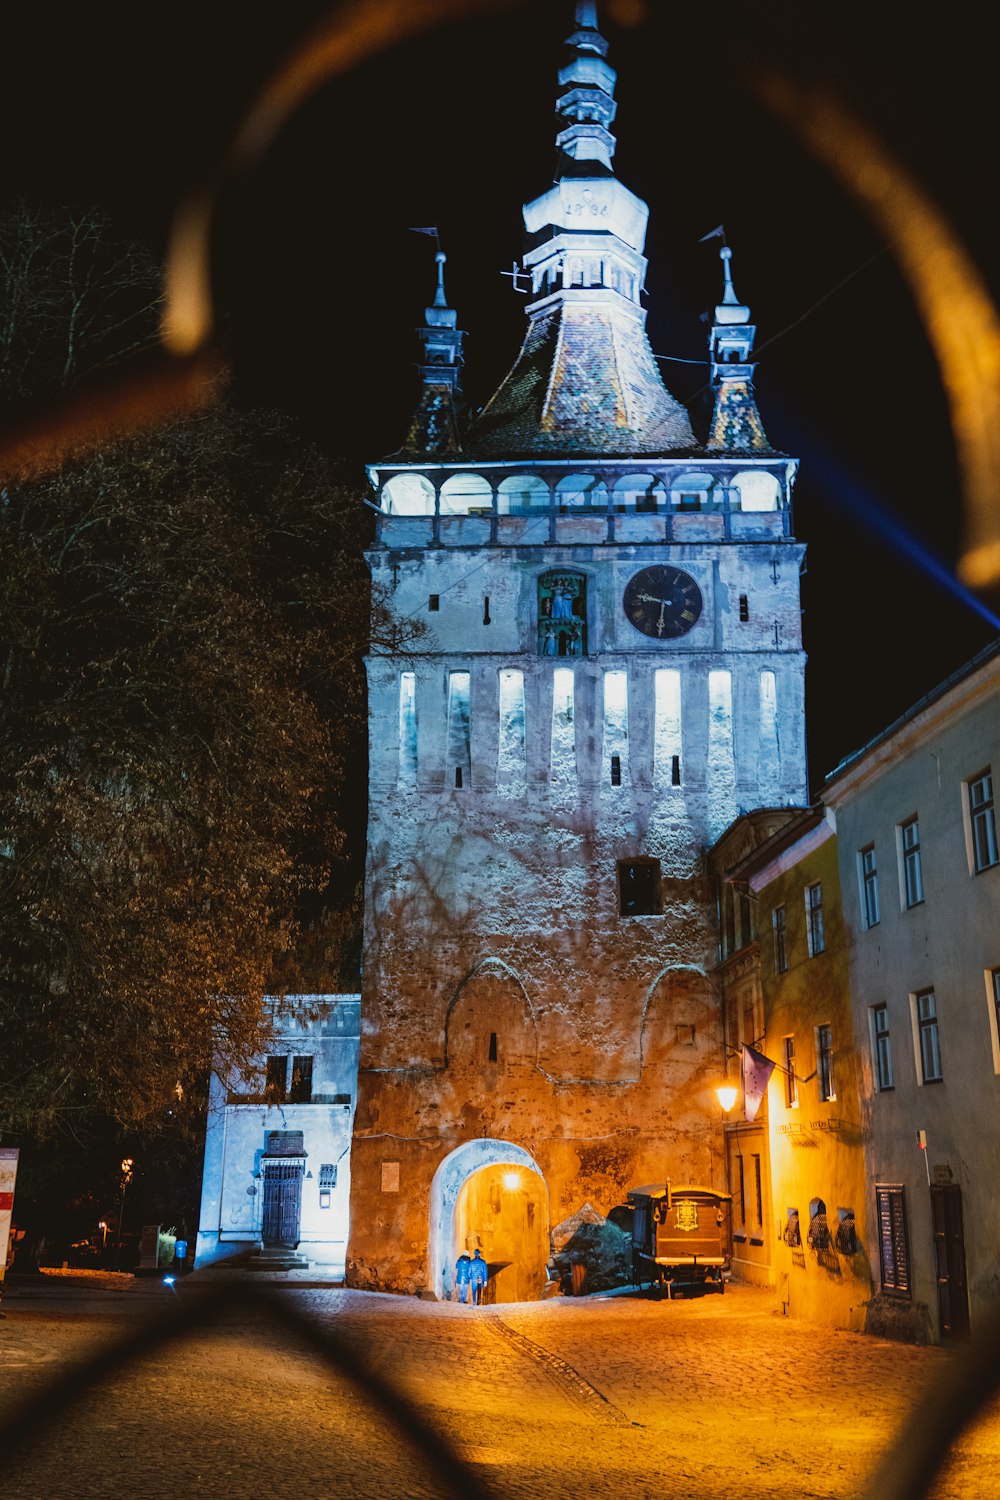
[[491, 1195]]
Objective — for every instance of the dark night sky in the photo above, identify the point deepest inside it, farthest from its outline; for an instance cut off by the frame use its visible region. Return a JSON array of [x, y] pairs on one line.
[[322, 286]]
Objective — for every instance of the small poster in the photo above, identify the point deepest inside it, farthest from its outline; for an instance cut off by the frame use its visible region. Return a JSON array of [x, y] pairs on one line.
[[390, 1177], [8, 1175]]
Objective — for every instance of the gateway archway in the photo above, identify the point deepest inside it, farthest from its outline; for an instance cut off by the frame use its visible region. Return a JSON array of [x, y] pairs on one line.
[[490, 1194]]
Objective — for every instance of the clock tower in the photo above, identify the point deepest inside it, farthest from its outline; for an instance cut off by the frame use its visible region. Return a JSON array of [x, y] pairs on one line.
[[608, 669]]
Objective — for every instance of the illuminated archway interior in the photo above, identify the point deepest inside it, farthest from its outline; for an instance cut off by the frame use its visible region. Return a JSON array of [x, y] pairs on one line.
[[502, 1210]]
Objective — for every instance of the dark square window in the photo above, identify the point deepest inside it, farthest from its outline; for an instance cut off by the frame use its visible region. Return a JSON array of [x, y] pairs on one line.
[[301, 1091], [639, 887], [434, 602], [274, 1079]]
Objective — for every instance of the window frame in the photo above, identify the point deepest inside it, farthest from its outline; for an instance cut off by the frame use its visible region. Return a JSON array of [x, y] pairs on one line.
[[655, 865], [881, 1054], [779, 932], [824, 1063], [868, 885], [890, 1214], [791, 1079], [992, 977], [815, 930], [982, 817], [910, 861], [926, 1035]]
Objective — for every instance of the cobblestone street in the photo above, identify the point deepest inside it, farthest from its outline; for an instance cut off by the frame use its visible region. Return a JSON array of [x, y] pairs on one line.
[[600, 1396]]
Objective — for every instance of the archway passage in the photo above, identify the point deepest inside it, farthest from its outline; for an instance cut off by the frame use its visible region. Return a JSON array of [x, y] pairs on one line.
[[490, 1194], [503, 1211]]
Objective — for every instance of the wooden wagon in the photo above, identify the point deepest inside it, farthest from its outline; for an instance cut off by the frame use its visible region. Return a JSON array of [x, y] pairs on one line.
[[680, 1236]]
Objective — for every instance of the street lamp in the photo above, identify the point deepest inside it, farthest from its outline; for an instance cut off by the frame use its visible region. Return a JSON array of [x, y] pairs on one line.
[[128, 1164], [727, 1094]]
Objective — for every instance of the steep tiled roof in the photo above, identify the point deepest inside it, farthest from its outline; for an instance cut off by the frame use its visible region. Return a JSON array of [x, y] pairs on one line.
[[585, 381]]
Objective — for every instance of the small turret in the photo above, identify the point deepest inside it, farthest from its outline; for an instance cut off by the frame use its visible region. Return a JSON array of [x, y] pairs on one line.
[[736, 425], [434, 428]]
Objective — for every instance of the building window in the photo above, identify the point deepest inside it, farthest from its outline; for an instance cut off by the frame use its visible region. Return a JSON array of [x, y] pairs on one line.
[[688, 502], [675, 770], [913, 876], [847, 1234], [407, 726], [793, 1234], [814, 919], [301, 1090], [780, 939], [744, 609], [433, 603], [639, 887], [928, 1038], [327, 1182], [993, 991], [616, 770], [881, 1052], [818, 1237], [869, 886], [824, 1063], [459, 725], [791, 1082], [562, 614], [274, 1080], [894, 1255], [983, 820], [758, 1192]]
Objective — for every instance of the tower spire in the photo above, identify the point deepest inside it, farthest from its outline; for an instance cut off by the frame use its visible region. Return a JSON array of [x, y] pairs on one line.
[[434, 427], [736, 425], [585, 379]]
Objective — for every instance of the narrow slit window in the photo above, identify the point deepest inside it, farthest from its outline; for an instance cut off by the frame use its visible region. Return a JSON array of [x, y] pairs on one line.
[[667, 746], [493, 1047], [615, 723], [768, 746], [721, 758], [511, 768], [434, 603], [562, 759], [459, 725], [407, 727], [486, 610], [744, 609]]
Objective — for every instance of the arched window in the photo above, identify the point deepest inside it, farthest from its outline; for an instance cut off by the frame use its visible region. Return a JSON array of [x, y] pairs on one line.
[[691, 491], [562, 614], [408, 495], [639, 492], [758, 490], [521, 492], [466, 495], [581, 491]]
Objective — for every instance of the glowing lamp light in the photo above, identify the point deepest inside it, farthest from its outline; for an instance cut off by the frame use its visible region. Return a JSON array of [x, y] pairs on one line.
[[169, 1280], [726, 1094], [512, 1180]]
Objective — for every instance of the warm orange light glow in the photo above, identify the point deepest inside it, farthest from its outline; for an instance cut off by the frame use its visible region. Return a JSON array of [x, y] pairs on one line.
[[726, 1094]]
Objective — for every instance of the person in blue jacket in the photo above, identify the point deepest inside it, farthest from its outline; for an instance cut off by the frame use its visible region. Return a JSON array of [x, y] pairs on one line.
[[478, 1273], [462, 1277]]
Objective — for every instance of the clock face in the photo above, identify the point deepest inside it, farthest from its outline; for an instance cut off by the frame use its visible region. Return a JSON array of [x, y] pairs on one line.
[[662, 602]]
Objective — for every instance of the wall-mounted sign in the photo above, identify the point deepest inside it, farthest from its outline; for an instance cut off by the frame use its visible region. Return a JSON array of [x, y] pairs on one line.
[[8, 1175], [390, 1177]]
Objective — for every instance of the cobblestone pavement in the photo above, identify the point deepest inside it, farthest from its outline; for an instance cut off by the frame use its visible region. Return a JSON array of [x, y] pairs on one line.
[[596, 1396]]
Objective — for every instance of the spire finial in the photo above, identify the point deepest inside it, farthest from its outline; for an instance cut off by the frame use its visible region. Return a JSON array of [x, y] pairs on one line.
[[736, 425], [440, 300]]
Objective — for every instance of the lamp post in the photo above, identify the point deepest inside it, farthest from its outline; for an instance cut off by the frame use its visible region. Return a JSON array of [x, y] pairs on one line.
[[127, 1166]]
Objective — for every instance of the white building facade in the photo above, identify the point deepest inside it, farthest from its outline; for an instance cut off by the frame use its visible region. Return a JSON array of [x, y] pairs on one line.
[[276, 1182], [920, 878]]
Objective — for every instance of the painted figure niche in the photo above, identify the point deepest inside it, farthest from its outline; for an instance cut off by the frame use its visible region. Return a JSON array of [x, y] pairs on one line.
[[562, 614]]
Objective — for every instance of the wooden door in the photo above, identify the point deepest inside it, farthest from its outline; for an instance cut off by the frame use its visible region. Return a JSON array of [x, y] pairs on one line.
[[282, 1204], [949, 1249]]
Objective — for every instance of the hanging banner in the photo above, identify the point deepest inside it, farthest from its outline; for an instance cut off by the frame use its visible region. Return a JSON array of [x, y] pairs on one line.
[[757, 1070], [8, 1173]]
